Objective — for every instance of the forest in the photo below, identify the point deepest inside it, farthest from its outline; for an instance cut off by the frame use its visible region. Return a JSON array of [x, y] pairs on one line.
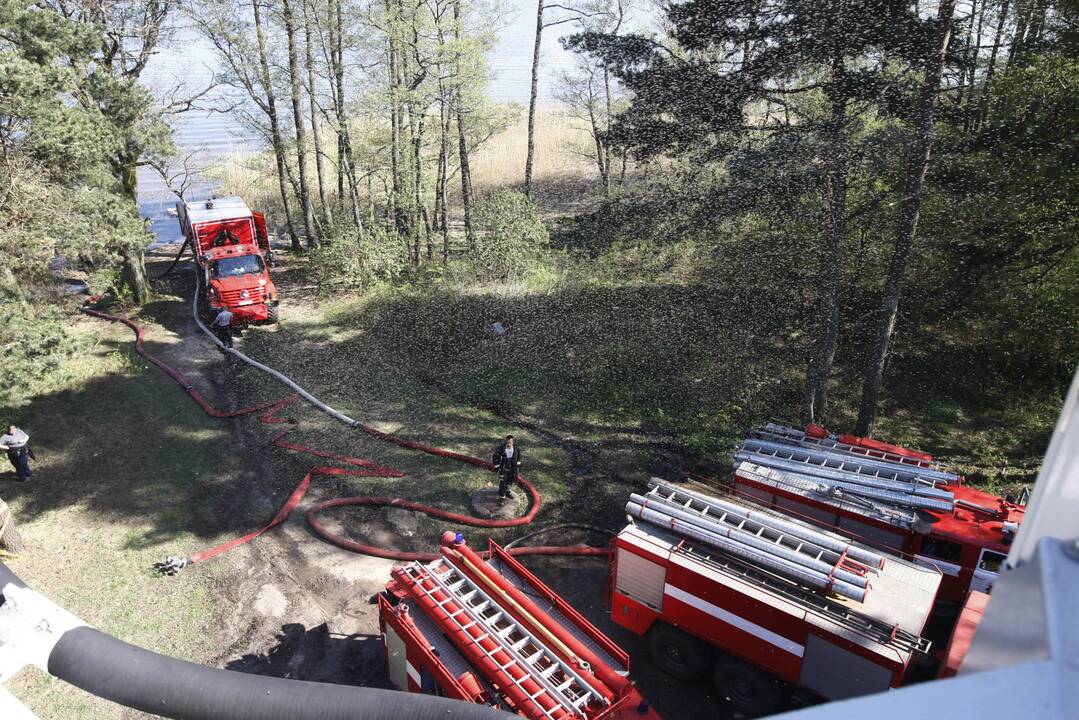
[[849, 213]]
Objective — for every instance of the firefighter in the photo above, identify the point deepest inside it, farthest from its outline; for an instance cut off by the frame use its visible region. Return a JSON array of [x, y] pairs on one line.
[[507, 460], [220, 327], [16, 442]]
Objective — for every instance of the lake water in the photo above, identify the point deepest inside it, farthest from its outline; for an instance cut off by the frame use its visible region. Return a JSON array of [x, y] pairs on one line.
[[215, 135]]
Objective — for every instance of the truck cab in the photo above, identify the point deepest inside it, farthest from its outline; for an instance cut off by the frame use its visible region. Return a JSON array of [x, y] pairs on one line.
[[232, 250]]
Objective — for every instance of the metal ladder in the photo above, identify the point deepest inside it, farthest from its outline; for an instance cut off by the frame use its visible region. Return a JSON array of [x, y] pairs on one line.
[[875, 630], [763, 531], [915, 479], [788, 475], [794, 436], [529, 658]]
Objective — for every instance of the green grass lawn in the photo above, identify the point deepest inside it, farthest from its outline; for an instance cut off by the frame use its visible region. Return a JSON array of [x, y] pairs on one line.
[[124, 458]]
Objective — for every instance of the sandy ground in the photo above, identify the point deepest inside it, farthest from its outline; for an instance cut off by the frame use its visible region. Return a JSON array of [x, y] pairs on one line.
[[291, 605]]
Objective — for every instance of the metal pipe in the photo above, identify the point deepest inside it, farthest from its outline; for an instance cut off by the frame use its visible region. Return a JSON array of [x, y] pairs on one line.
[[787, 527], [770, 562], [745, 538]]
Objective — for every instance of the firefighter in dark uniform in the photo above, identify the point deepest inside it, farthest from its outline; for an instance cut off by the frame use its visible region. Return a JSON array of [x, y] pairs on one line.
[[17, 444], [507, 460]]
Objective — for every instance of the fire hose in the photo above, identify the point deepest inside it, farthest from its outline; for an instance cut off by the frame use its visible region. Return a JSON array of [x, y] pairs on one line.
[[267, 415]]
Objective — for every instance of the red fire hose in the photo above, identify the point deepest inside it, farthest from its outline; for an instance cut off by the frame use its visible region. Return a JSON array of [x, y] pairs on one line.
[[267, 414]]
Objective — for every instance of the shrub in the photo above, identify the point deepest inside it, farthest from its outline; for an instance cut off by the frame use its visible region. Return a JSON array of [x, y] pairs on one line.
[[351, 262], [512, 240]]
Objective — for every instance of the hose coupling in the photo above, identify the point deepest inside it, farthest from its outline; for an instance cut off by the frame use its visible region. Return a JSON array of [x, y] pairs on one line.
[[172, 565]]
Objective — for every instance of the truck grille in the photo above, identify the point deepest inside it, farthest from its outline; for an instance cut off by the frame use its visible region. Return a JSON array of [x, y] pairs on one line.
[[234, 297]]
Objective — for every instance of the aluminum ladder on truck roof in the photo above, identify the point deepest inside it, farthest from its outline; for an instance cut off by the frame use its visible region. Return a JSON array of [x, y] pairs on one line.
[[529, 658], [794, 436], [826, 485], [864, 625], [810, 542], [854, 469]]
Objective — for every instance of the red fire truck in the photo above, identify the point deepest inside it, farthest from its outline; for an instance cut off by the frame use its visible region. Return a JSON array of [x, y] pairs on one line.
[[882, 494], [768, 603], [473, 629], [232, 249]]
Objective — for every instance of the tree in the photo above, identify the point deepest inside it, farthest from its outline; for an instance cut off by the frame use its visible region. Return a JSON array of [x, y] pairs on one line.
[[918, 165], [751, 65], [10, 539], [312, 96], [296, 93], [246, 66], [131, 33], [562, 14], [60, 200]]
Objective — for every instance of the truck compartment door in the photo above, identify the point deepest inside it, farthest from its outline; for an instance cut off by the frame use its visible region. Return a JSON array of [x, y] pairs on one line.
[[640, 579], [396, 662], [837, 673]]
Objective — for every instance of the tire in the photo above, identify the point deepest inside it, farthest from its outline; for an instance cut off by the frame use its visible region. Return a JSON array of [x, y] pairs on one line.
[[678, 653], [273, 314], [747, 688]]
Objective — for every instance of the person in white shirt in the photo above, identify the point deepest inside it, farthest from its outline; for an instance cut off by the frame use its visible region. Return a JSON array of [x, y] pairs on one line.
[[220, 327], [507, 459], [16, 442]]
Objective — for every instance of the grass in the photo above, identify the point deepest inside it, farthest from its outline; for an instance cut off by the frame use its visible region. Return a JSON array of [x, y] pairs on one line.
[[123, 459]]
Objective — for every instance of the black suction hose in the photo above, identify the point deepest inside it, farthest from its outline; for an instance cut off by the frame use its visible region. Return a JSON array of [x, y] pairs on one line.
[[175, 259], [140, 679]]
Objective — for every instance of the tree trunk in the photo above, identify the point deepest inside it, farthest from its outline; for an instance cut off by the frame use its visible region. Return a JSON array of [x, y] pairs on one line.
[[316, 132], [606, 137], [133, 262], [276, 138], [337, 54], [602, 155], [908, 219], [10, 539], [296, 89], [416, 127], [444, 171], [532, 97], [970, 52], [983, 104], [462, 136], [828, 277], [395, 132]]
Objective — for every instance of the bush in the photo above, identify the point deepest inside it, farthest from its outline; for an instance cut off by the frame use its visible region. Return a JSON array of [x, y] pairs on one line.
[[350, 262], [35, 341], [512, 240]]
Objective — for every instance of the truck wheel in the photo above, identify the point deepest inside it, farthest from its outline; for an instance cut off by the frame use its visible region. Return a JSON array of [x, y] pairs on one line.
[[747, 688], [273, 314], [678, 653]]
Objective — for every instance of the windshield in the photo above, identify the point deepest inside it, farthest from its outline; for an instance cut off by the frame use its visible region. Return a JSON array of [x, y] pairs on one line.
[[233, 266]]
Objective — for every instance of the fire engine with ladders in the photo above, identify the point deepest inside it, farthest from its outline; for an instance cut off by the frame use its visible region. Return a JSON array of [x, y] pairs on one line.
[[884, 494], [474, 629], [768, 604], [232, 250]]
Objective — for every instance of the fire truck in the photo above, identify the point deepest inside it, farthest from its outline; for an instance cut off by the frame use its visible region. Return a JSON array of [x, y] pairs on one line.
[[769, 604], [474, 629], [232, 250], [882, 494]]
